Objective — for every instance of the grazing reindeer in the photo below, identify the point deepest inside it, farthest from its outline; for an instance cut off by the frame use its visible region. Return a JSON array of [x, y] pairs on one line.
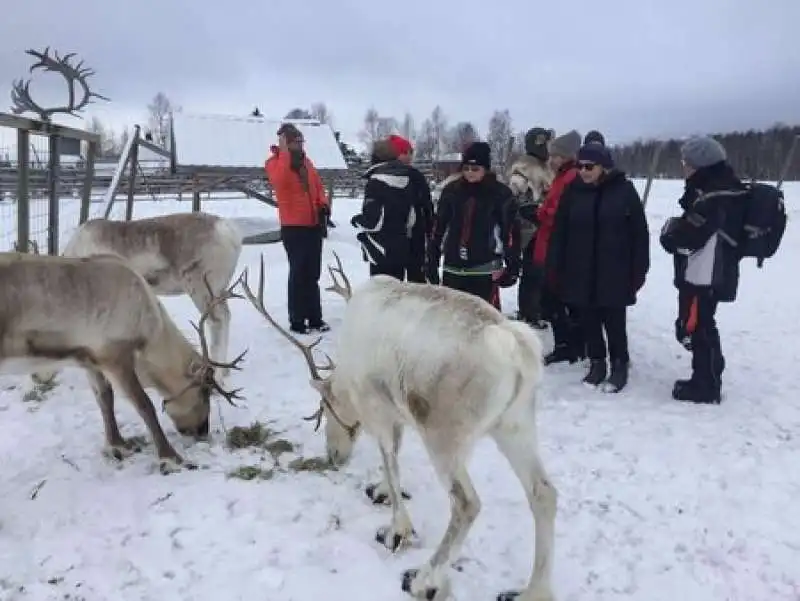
[[182, 253], [98, 313], [451, 366]]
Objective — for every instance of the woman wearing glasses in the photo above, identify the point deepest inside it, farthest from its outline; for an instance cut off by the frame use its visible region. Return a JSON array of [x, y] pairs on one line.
[[599, 255], [473, 229]]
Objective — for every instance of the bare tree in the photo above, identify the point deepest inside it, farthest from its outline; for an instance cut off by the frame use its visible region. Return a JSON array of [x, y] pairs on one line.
[[426, 141], [387, 126], [461, 136], [370, 132], [160, 112], [298, 113], [407, 129], [439, 123], [319, 111], [499, 136]]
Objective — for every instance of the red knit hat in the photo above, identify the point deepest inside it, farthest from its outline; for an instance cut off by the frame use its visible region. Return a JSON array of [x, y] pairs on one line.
[[400, 145]]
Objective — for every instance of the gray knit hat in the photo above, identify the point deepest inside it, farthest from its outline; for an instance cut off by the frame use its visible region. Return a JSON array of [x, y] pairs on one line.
[[702, 151], [566, 145]]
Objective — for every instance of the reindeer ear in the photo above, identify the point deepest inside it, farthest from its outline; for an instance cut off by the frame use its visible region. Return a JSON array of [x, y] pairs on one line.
[[321, 386]]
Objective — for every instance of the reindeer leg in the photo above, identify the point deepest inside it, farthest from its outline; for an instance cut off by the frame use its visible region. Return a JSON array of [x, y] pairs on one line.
[[116, 446], [400, 531], [515, 436], [379, 493], [169, 459], [432, 582]]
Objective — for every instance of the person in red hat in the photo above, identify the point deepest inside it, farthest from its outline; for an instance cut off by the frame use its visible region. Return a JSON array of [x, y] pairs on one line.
[[423, 210]]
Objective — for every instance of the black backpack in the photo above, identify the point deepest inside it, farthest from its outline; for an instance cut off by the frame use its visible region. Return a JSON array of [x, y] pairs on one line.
[[764, 222]]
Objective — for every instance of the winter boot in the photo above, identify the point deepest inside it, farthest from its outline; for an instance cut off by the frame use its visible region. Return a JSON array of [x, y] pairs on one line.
[[695, 391], [562, 353], [598, 369], [618, 379]]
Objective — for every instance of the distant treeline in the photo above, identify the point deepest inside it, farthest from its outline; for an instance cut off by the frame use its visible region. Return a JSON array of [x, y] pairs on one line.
[[753, 154]]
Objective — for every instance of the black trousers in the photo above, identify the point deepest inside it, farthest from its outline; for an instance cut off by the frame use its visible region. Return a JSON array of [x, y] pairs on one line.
[[529, 290], [565, 322], [303, 247], [603, 325], [481, 286], [697, 317], [410, 273]]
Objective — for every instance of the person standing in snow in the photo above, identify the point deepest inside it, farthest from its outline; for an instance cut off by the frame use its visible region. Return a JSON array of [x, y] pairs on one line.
[[600, 255], [388, 214], [568, 339], [303, 209], [472, 229], [706, 262], [423, 207], [529, 179]]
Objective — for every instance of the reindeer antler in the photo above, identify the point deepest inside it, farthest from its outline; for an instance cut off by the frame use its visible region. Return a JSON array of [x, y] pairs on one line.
[[72, 73], [343, 288], [228, 395], [257, 301]]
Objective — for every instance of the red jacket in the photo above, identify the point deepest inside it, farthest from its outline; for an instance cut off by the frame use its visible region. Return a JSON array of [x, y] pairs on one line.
[[295, 205], [546, 214]]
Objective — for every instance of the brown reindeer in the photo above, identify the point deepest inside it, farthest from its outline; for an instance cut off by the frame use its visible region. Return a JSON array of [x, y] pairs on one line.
[[99, 314]]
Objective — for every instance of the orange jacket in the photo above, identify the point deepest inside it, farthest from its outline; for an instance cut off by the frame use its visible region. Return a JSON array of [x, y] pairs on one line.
[[295, 205]]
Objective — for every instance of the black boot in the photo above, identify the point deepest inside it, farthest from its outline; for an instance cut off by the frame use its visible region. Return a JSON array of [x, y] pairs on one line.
[[562, 353], [618, 379], [598, 369], [695, 391]]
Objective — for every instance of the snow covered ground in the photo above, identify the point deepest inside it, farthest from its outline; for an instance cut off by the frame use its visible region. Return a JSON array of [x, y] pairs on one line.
[[658, 500]]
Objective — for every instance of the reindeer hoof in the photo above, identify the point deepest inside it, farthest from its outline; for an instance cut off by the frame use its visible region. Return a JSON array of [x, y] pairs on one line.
[[518, 596], [425, 587], [508, 596], [379, 496], [171, 465], [393, 540]]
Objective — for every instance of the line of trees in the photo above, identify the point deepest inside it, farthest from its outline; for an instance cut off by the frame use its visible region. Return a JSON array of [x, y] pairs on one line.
[[753, 154]]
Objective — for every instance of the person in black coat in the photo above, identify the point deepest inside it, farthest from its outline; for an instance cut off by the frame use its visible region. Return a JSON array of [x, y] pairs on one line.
[[599, 257], [706, 262], [423, 222], [473, 229], [388, 214]]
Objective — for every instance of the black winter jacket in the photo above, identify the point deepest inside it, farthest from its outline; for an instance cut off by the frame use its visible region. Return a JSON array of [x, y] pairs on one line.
[[423, 222], [703, 239], [388, 214], [473, 227], [599, 252]]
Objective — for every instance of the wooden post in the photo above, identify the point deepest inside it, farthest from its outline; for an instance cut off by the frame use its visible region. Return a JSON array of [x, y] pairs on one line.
[[133, 163], [23, 191], [88, 181], [195, 195], [652, 174], [53, 194]]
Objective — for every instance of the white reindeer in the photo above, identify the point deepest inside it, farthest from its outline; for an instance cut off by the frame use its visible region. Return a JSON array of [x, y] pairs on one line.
[[99, 314], [181, 253], [452, 367]]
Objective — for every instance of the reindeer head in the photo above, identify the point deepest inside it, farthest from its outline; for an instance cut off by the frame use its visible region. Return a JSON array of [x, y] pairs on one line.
[[190, 409], [341, 423]]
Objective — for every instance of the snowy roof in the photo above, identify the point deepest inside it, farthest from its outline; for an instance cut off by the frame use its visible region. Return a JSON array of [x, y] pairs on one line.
[[243, 142]]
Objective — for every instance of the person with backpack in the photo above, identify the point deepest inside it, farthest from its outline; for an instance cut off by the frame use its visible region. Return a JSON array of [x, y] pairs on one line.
[[388, 215], [704, 242]]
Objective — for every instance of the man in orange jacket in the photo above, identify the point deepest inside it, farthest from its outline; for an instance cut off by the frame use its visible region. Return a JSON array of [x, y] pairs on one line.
[[303, 211]]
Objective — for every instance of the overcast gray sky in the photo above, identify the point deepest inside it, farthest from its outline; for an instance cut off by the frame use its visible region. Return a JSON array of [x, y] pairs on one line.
[[628, 67]]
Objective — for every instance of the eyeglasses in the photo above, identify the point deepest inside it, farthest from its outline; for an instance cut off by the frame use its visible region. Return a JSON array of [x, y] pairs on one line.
[[586, 166]]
